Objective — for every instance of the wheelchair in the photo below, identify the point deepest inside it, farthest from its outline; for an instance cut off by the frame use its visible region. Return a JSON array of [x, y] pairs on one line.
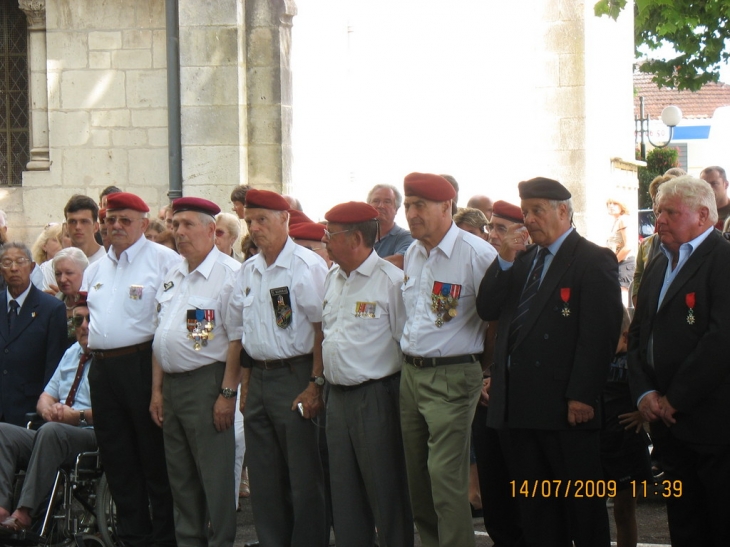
[[79, 511]]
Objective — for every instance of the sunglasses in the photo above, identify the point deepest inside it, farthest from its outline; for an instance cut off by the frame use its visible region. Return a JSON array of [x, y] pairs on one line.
[[78, 320]]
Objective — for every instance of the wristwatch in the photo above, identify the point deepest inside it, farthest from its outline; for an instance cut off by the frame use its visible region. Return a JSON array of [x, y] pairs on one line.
[[318, 380], [82, 419], [228, 393]]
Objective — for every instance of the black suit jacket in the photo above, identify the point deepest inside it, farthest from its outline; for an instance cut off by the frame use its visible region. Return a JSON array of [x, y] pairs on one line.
[[691, 360], [556, 357], [30, 353]]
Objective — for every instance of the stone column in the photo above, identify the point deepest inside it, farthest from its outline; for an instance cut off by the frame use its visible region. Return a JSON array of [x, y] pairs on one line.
[[35, 11], [269, 92]]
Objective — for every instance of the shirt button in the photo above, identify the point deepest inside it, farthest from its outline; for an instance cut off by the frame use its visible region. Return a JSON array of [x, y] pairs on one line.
[[546, 336]]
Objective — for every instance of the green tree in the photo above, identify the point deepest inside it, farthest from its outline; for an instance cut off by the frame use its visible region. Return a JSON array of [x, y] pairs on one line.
[[658, 161], [696, 29]]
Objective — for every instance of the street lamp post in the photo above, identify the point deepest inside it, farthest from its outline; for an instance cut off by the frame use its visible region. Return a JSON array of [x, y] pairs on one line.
[[671, 116]]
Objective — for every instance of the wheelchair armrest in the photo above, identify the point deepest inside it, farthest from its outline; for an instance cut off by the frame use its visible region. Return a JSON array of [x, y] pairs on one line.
[[33, 420]]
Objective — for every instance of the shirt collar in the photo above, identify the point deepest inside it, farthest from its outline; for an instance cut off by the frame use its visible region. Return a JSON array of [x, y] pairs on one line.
[[446, 245], [690, 245], [554, 247], [205, 267], [132, 251], [366, 268], [21, 297], [282, 261]]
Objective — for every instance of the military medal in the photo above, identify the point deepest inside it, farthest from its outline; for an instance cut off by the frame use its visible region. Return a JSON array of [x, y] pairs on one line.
[[565, 297], [169, 285], [281, 300], [365, 309], [690, 301], [444, 300], [135, 292]]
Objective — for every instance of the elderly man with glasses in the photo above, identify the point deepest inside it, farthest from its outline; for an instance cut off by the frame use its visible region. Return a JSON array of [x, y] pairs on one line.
[[32, 335], [65, 405]]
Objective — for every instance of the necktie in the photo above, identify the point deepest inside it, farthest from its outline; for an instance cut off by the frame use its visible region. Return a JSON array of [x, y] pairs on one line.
[[528, 293], [77, 379], [12, 314]]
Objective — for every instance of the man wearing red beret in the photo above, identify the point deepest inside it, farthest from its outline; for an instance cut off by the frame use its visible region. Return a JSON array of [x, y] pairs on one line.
[[309, 235], [442, 343], [276, 314], [362, 323], [194, 388], [121, 296], [504, 215]]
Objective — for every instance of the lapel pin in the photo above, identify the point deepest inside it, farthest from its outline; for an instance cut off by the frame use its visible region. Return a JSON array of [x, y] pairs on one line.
[[32, 314], [97, 286]]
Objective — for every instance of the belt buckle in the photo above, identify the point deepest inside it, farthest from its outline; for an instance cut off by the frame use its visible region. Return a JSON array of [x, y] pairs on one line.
[[418, 362], [266, 363]]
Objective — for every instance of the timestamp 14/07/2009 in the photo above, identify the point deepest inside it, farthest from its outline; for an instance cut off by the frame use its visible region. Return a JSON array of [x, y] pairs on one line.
[[593, 488]]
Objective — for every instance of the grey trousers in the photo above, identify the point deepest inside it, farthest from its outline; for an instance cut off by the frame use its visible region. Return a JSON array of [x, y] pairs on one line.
[[41, 452], [200, 460], [367, 466], [285, 470]]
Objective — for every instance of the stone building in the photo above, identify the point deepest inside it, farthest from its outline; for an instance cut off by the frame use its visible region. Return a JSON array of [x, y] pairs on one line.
[[112, 100]]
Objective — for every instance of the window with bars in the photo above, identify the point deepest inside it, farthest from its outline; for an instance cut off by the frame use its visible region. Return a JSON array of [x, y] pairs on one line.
[[14, 130]]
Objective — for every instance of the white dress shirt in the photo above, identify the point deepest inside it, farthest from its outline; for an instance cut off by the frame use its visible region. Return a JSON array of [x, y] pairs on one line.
[[252, 318], [460, 258], [208, 287], [121, 294], [362, 321]]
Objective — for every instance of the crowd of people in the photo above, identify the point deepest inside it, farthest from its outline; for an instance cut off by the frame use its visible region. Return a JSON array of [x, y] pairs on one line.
[[377, 378]]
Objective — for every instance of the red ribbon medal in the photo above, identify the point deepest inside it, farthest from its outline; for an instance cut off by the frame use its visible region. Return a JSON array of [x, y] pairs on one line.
[[690, 301], [565, 297]]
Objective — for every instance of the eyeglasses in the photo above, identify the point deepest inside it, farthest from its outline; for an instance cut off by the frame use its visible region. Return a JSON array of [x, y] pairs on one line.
[[8, 263], [126, 222], [501, 228], [330, 234], [78, 319]]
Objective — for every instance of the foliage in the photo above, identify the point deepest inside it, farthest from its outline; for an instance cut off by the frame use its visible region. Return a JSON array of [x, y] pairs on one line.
[[696, 29], [658, 161]]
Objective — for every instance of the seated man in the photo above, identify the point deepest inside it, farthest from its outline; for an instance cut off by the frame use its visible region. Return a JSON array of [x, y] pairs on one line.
[[65, 405]]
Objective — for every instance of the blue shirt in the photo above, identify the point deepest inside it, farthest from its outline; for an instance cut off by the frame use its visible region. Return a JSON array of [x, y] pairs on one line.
[[554, 247], [60, 383], [395, 242]]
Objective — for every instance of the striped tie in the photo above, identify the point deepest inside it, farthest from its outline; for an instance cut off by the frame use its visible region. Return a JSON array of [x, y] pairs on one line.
[[528, 293]]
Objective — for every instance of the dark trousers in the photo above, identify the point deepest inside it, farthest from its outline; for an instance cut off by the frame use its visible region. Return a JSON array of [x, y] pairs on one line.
[[287, 483], [367, 466], [698, 510], [131, 449], [501, 512], [567, 455]]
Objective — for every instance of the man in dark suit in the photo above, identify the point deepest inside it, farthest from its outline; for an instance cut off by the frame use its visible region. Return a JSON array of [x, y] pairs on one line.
[[558, 304], [32, 336], [679, 370]]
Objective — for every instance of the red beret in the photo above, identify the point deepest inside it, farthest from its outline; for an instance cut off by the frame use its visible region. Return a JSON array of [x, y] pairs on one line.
[[264, 199], [199, 205], [507, 211], [125, 200], [351, 212], [428, 186], [313, 231], [81, 300], [102, 215], [295, 217]]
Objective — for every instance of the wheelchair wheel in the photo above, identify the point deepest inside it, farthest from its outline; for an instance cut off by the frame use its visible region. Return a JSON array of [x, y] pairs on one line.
[[106, 514]]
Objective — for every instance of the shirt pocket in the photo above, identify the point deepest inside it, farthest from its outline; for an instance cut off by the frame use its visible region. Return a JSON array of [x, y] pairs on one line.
[[410, 294], [249, 322]]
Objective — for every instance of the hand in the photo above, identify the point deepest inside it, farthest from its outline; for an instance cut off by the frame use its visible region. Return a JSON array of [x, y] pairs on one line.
[[631, 420], [649, 407], [579, 413], [668, 411], [55, 412], [311, 399], [513, 241], [156, 408], [52, 290], [224, 411], [484, 395]]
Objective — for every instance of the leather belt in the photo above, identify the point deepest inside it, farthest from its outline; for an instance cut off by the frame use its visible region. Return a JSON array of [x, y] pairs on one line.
[[423, 362], [272, 364], [102, 354], [366, 382]]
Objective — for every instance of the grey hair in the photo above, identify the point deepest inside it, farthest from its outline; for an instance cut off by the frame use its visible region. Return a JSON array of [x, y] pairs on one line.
[[15, 245], [396, 193], [74, 254], [694, 193], [554, 203], [231, 222]]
